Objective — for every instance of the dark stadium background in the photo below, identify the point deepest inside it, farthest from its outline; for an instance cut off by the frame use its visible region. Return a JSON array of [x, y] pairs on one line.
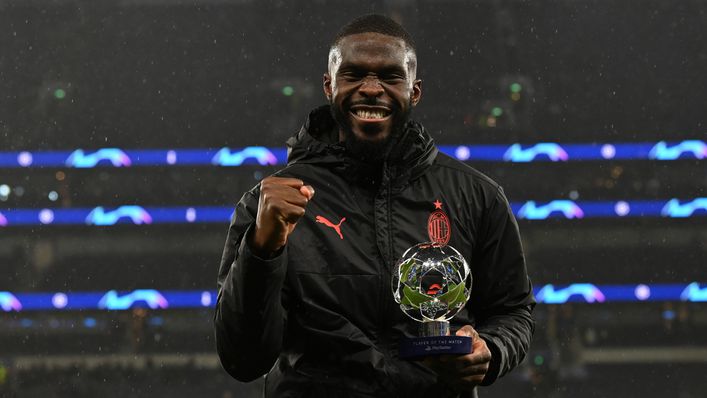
[[143, 74]]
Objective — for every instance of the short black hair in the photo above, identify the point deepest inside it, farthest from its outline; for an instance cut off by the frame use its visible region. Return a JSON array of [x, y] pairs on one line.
[[378, 24]]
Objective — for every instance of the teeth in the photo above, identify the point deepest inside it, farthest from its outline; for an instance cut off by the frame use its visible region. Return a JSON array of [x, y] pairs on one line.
[[369, 114]]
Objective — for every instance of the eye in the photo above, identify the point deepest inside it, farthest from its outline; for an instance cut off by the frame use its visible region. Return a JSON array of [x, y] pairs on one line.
[[393, 78], [397, 79], [350, 76]]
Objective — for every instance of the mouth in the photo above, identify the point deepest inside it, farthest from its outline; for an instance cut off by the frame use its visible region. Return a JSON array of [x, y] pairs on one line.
[[370, 113]]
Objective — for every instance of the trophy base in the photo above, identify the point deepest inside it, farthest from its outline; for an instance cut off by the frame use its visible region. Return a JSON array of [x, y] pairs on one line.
[[421, 347]]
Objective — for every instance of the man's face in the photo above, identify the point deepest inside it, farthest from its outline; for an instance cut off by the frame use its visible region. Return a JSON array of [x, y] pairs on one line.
[[371, 86]]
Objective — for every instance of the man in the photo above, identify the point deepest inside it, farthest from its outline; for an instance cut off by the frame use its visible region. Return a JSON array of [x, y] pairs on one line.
[[305, 279]]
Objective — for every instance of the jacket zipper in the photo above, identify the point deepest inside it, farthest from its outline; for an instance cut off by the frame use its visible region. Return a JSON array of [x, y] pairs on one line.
[[386, 293]]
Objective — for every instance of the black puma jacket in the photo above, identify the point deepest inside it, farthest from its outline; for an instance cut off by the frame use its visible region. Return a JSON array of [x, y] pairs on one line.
[[319, 319]]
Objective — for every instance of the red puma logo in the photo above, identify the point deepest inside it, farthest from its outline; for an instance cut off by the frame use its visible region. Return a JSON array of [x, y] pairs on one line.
[[337, 227]]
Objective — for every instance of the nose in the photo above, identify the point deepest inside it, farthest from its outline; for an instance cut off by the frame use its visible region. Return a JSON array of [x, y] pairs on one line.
[[371, 87]]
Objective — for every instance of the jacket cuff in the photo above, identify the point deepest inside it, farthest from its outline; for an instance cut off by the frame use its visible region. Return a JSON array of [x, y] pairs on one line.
[[256, 264], [254, 283], [496, 359]]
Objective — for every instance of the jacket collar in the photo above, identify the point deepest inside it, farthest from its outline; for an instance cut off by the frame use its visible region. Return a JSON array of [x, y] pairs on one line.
[[317, 142]]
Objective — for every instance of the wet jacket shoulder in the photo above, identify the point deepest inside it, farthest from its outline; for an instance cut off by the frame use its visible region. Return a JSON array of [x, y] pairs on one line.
[[319, 318]]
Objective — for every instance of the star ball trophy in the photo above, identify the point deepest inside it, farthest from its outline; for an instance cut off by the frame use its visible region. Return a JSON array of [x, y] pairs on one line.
[[432, 282]]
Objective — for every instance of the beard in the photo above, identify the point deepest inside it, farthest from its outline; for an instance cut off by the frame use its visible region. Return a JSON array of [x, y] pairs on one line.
[[372, 152]]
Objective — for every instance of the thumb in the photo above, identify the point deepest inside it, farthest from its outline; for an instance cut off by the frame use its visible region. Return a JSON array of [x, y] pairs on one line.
[[467, 330], [307, 191]]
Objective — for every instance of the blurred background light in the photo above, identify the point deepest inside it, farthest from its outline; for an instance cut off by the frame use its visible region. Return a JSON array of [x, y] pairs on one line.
[[288, 91], [59, 94]]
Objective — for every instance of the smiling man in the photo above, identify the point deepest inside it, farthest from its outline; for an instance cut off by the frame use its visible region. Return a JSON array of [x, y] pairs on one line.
[[372, 85], [305, 280]]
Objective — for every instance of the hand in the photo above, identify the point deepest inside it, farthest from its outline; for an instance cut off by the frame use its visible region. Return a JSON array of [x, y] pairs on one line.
[[282, 203], [463, 372]]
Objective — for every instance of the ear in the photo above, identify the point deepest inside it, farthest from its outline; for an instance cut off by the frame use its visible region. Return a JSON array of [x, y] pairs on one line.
[[327, 86], [416, 94]]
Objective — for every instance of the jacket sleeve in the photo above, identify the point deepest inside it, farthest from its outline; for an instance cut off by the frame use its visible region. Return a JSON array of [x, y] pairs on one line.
[[250, 317], [502, 296]]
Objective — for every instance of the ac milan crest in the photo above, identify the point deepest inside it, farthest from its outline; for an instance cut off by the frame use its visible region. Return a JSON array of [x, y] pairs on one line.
[[438, 227]]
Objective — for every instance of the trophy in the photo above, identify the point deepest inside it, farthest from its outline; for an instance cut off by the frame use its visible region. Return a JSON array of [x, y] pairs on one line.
[[432, 282]]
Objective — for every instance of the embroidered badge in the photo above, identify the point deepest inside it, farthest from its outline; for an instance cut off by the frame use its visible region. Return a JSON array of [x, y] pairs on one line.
[[336, 227], [438, 227]]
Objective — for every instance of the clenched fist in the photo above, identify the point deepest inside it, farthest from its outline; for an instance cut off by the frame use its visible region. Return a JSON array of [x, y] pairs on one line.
[[282, 204]]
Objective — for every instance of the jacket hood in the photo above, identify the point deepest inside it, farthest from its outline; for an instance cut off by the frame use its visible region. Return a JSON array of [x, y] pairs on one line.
[[317, 143]]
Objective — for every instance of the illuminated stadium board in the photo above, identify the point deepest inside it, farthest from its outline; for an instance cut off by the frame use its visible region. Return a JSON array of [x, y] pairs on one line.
[[175, 299], [529, 210], [264, 156]]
